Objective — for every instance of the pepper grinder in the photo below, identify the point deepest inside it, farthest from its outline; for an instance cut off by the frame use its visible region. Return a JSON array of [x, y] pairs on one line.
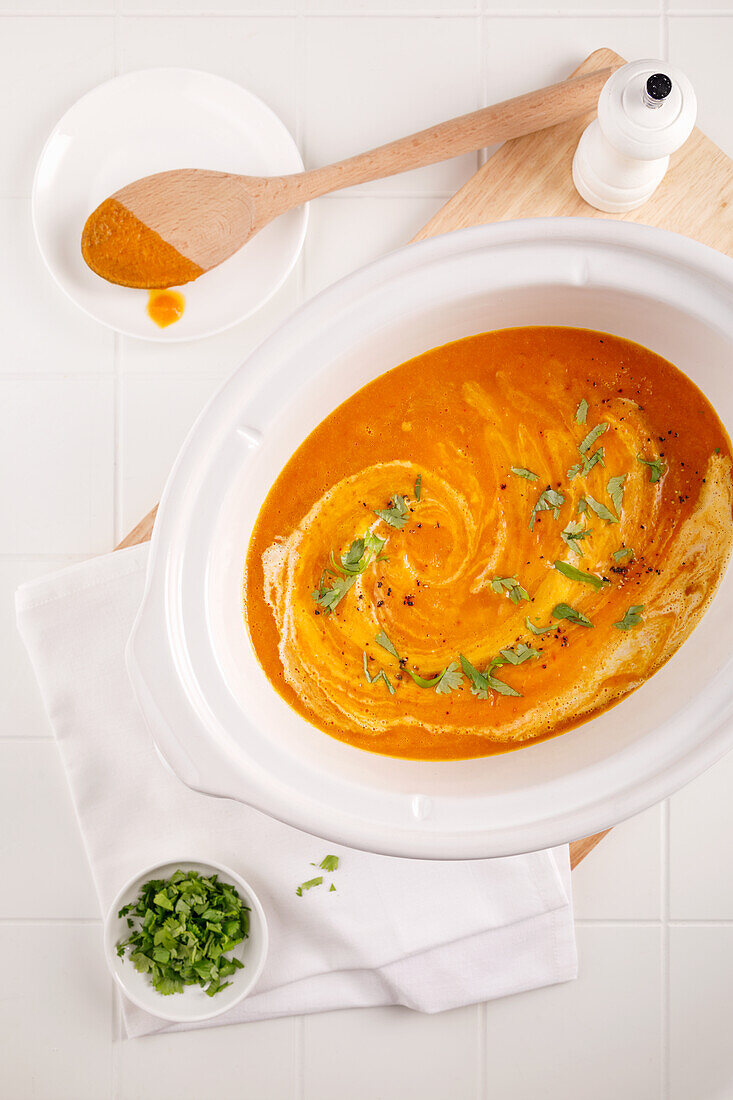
[[646, 111]]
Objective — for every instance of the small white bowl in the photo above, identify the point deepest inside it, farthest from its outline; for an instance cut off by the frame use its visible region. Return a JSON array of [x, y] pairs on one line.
[[193, 1004]]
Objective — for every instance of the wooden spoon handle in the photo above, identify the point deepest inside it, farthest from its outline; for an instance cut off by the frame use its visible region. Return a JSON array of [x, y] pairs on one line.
[[513, 118]]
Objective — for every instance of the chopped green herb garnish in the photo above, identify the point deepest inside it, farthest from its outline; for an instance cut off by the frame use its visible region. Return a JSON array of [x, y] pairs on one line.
[[600, 509], [574, 533], [631, 618], [309, 885], [592, 436], [483, 682], [615, 489], [624, 552], [581, 412], [538, 629], [387, 681], [451, 679], [519, 655], [565, 611], [589, 461], [418, 487], [511, 586], [181, 928], [329, 863], [383, 640], [479, 680], [574, 574], [520, 471], [594, 459], [548, 500], [397, 514], [381, 675], [331, 888], [329, 598], [445, 681], [657, 466], [422, 682], [500, 687], [362, 552], [353, 556], [582, 505]]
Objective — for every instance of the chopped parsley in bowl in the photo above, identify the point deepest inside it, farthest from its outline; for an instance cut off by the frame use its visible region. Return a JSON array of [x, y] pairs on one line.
[[186, 941]]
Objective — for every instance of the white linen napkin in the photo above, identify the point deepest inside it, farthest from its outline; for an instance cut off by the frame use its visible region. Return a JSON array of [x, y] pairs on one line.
[[426, 934]]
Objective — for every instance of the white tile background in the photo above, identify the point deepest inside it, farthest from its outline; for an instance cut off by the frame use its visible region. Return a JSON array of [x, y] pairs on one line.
[[89, 425]]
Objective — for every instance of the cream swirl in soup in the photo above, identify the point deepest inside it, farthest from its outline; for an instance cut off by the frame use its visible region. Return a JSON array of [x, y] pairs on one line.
[[490, 543]]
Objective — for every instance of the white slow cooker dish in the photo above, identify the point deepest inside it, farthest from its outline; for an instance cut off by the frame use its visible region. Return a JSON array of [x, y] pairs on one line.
[[213, 714]]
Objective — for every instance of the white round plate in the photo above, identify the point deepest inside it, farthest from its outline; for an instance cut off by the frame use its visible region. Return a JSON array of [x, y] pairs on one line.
[[151, 121], [193, 1004]]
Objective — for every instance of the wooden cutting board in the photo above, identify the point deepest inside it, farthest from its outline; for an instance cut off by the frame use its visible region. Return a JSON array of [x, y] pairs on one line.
[[530, 177]]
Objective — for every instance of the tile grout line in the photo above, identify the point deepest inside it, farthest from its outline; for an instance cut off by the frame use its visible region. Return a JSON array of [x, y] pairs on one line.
[[115, 1041], [664, 30], [9, 922], [664, 984], [483, 36], [478, 89], [299, 1058], [482, 1074], [618, 922], [69, 559], [117, 531], [582, 922], [300, 106], [55, 376], [664, 1064], [116, 1020], [406, 14], [483, 72], [23, 739]]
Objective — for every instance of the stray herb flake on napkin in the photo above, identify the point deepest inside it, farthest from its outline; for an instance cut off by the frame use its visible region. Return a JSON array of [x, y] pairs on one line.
[[180, 929], [309, 885], [329, 863]]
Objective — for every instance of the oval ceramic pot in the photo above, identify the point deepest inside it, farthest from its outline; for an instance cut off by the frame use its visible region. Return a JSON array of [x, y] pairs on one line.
[[213, 714]]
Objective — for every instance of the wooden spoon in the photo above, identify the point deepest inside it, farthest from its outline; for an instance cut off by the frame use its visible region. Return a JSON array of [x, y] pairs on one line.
[[169, 228]]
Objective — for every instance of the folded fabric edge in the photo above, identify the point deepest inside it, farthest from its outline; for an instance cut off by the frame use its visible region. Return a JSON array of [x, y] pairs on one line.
[[549, 872], [540, 952], [80, 576]]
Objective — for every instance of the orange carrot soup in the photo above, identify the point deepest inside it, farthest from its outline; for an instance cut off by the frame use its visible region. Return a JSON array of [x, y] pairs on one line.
[[491, 543]]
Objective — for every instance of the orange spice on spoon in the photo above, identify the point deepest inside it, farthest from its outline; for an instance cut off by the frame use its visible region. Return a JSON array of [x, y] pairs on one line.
[[114, 238]]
